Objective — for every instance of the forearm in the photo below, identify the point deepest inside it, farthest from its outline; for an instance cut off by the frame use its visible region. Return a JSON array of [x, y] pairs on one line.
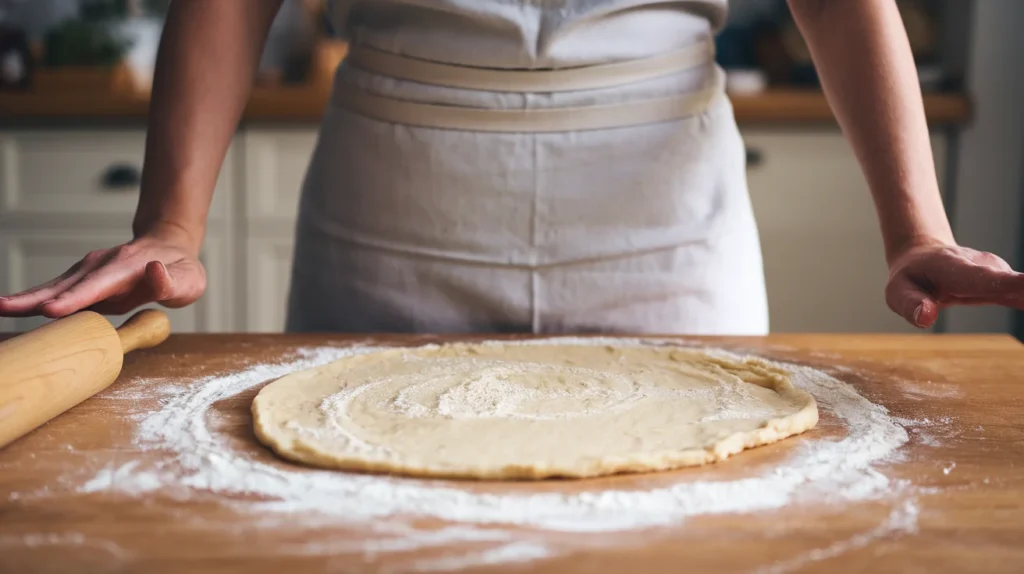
[[205, 67], [868, 74]]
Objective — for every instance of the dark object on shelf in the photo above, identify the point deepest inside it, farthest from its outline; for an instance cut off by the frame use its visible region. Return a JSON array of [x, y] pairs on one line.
[[156, 7], [90, 40], [734, 49], [16, 63], [921, 20], [771, 55]]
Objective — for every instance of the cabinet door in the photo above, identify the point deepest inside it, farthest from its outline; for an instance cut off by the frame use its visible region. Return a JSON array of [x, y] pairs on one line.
[[268, 273], [824, 263], [30, 258], [275, 167]]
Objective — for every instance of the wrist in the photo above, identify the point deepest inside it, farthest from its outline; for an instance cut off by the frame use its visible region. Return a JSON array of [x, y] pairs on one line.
[[184, 236], [897, 247], [912, 224]]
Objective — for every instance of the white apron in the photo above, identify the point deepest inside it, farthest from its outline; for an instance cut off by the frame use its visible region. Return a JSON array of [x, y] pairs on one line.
[[638, 228]]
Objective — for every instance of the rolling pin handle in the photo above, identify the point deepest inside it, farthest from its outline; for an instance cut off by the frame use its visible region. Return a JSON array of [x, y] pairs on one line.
[[145, 329]]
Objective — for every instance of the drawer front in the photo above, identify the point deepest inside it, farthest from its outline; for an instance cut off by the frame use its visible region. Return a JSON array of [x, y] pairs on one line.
[[70, 172], [275, 167], [27, 260]]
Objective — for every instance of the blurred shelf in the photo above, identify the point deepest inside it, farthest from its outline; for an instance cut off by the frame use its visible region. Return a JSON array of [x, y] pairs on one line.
[[810, 106], [307, 103]]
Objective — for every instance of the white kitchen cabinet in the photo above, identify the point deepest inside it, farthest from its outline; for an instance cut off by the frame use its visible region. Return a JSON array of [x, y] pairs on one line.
[[268, 273], [823, 257], [275, 161], [66, 174], [31, 257]]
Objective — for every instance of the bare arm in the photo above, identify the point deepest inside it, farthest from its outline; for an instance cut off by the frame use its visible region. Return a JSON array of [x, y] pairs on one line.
[[868, 73], [204, 73], [867, 70]]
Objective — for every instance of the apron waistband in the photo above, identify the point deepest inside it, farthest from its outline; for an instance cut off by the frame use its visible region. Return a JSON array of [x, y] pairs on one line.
[[360, 101], [522, 81]]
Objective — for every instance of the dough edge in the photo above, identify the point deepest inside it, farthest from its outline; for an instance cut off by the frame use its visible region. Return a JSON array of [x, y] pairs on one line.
[[773, 430]]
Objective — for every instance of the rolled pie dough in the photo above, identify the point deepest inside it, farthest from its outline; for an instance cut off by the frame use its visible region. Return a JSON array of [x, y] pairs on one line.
[[496, 410]]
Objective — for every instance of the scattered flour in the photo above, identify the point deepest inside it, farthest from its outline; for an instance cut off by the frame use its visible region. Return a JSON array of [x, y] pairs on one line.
[[509, 553], [929, 389], [928, 430], [902, 520], [511, 526], [45, 540], [489, 389]]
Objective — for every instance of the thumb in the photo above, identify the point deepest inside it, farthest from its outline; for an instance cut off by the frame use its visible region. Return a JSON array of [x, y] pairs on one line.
[[911, 302], [178, 284]]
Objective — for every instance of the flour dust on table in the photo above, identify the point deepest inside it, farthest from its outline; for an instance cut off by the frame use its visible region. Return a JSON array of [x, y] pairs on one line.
[[432, 525], [500, 410]]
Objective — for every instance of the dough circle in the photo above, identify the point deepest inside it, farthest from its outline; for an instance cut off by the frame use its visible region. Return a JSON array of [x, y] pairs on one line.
[[507, 410]]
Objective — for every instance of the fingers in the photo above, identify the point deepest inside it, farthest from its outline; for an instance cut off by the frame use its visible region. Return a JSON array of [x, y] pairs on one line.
[[925, 315], [178, 284], [175, 285], [103, 283], [26, 303], [911, 302], [960, 277], [139, 295], [114, 281], [988, 260], [982, 284]]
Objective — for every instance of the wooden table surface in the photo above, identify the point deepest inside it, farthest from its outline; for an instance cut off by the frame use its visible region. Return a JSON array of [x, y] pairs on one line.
[[966, 463]]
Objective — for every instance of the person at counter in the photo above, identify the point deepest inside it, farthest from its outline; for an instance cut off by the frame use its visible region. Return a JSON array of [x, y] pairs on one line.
[[549, 166]]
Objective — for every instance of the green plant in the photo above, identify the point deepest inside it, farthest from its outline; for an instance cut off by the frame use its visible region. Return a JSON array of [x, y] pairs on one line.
[[103, 10], [89, 40]]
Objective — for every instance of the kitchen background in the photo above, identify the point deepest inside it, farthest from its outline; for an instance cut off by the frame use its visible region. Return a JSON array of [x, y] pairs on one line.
[[74, 77]]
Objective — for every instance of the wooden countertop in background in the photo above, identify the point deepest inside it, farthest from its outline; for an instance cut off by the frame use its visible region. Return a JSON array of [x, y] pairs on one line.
[[968, 462], [306, 104]]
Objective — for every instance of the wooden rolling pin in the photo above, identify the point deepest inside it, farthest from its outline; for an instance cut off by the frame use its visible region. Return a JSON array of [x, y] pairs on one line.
[[53, 368]]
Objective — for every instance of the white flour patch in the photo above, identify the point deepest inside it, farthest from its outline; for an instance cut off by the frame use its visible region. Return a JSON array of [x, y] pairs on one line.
[[494, 524], [930, 431], [509, 553], [110, 478], [489, 390]]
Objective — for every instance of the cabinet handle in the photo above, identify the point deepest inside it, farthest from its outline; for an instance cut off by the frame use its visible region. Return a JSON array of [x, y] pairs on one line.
[[122, 177], [755, 157]]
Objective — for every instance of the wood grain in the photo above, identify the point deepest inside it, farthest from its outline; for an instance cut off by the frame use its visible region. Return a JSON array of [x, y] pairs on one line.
[[971, 467], [145, 329], [53, 368], [304, 104]]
